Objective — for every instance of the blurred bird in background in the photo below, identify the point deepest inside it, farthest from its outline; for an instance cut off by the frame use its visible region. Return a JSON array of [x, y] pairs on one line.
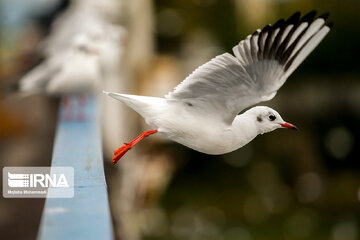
[[84, 49], [73, 71], [80, 51]]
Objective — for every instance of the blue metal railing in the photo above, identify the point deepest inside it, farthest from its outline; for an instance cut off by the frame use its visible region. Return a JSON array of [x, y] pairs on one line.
[[87, 214]]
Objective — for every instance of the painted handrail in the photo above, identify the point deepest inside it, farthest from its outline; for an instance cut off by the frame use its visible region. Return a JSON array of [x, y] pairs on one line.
[[87, 214]]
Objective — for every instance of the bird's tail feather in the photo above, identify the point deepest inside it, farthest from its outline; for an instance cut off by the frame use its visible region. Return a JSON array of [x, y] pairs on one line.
[[147, 107]]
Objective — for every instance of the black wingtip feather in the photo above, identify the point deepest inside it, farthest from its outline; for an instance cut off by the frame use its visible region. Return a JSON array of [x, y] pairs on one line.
[[293, 19], [330, 24], [268, 44], [266, 28], [309, 17], [276, 47], [279, 24], [261, 40]]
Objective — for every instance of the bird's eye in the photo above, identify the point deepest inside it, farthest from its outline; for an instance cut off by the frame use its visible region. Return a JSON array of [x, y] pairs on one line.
[[272, 117]]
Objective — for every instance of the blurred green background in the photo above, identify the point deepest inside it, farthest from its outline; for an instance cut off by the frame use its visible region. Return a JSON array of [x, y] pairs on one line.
[[283, 185]]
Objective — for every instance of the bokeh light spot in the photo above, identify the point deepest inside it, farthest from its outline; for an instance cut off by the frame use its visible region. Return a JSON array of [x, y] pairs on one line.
[[169, 22], [309, 187], [301, 224], [346, 230], [339, 142], [255, 209]]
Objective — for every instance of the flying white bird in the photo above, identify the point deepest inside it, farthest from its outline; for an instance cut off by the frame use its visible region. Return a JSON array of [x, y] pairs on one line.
[[203, 111]]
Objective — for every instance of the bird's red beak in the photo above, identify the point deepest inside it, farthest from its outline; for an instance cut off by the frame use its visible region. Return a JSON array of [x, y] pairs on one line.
[[289, 126]]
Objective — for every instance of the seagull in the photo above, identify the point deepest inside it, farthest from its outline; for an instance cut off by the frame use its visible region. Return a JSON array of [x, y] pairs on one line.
[[74, 71], [202, 112]]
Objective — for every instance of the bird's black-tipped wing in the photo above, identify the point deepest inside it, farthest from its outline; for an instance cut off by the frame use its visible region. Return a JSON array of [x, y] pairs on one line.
[[263, 61]]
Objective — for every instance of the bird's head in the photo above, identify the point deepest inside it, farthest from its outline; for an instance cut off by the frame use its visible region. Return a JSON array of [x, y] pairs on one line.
[[267, 119], [82, 43]]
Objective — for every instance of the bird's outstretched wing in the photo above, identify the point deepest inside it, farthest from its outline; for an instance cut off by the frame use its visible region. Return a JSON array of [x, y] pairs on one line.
[[263, 61]]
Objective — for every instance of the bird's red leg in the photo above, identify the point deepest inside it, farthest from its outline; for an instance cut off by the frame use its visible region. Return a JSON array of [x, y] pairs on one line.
[[121, 151]]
